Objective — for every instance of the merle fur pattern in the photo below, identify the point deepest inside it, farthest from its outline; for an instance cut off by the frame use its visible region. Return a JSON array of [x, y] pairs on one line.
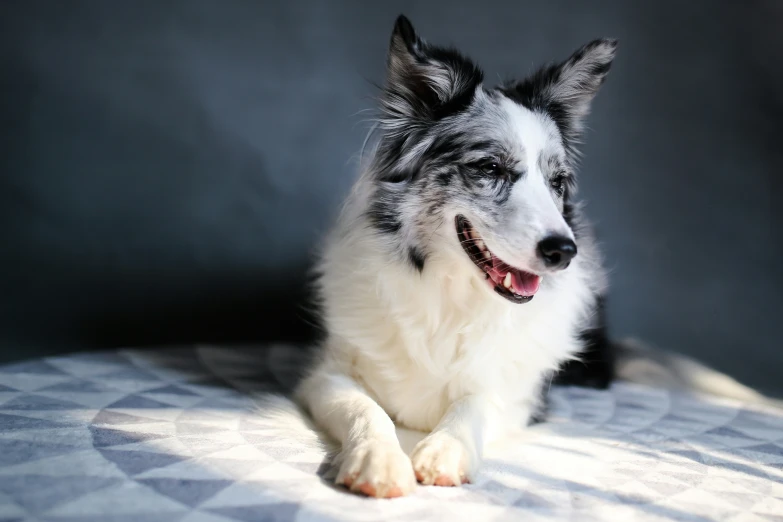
[[441, 312], [452, 146]]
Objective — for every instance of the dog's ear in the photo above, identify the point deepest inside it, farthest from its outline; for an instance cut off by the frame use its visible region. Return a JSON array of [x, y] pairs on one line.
[[566, 90], [425, 83]]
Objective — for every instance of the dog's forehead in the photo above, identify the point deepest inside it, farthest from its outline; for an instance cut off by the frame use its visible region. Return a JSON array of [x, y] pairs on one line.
[[528, 135]]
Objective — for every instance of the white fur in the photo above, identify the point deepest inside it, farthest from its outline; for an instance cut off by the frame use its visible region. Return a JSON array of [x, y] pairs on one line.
[[438, 351]]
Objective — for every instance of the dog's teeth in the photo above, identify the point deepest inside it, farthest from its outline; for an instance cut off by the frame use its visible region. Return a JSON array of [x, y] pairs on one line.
[[472, 233], [487, 255], [479, 243], [507, 280]]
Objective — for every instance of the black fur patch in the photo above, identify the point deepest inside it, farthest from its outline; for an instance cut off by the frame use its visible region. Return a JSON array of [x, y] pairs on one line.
[[462, 73], [397, 176], [411, 101], [448, 148], [597, 364], [390, 150], [531, 93], [466, 71], [384, 216], [503, 189], [536, 92], [569, 211], [416, 258], [444, 178]]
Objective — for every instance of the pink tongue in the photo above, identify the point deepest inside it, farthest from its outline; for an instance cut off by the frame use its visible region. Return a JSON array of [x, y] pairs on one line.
[[523, 283]]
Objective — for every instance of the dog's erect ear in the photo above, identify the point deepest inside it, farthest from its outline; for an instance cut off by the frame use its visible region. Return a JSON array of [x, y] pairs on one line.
[[565, 90], [425, 83], [576, 81]]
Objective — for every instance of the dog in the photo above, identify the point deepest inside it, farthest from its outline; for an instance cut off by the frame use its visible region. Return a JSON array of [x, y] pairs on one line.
[[461, 273]]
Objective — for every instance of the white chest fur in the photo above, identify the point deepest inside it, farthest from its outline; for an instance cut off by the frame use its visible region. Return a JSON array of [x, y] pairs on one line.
[[419, 342]]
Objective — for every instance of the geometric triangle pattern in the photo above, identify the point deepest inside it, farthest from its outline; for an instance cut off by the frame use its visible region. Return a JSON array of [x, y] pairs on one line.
[[135, 462], [57, 490], [202, 434], [189, 492], [106, 437]]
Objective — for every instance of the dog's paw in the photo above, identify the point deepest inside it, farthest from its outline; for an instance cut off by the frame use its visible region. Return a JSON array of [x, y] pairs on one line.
[[376, 469], [441, 459]]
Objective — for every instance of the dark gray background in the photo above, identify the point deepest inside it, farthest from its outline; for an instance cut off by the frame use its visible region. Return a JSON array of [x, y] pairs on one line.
[[168, 166]]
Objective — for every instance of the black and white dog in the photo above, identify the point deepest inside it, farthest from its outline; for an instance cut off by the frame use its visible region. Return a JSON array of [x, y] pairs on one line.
[[461, 275]]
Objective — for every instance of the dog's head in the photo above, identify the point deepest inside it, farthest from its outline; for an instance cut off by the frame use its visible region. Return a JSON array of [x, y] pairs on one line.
[[482, 174]]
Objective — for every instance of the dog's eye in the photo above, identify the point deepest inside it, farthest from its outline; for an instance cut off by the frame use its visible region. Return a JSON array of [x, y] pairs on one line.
[[490, 167], [558, 184]]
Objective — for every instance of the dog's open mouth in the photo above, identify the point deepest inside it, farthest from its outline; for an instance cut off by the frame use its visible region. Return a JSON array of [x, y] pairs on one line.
[[512, 283]]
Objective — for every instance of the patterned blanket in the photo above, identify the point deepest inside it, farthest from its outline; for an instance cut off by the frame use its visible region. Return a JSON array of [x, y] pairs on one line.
[[194, 435]]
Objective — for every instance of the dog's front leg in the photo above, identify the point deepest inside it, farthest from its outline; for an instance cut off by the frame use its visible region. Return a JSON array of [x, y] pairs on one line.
[[371, 461], [451, 454]]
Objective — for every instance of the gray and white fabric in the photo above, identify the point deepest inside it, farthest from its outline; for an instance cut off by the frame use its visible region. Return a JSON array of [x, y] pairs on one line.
[[188, 434]]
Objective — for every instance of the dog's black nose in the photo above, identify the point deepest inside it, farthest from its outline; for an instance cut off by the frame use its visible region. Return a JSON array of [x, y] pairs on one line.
[[557, 251]]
